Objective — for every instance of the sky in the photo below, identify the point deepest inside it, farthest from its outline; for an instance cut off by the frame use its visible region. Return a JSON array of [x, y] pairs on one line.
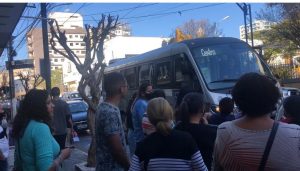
[[145, 19]]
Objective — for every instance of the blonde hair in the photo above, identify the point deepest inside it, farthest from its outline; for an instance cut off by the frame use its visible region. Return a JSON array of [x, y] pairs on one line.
[[160, 114]]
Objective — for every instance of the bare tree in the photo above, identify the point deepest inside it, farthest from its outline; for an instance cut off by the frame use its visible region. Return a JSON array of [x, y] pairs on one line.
[[30, 80], [200, 28], [24, 78], [91, 69]]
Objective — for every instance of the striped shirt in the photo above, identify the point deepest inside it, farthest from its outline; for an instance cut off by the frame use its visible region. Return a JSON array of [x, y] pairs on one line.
[[241, 149], [177, 151]]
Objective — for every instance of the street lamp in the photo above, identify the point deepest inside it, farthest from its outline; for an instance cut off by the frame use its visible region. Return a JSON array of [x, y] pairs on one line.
[[218, 23]]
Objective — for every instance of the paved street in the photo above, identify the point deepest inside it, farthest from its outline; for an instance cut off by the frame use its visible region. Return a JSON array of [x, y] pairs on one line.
[[84, 142]]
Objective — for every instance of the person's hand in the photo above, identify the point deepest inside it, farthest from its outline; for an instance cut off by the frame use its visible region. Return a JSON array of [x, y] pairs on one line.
[[74, 134], [65, 153], [204, 121]]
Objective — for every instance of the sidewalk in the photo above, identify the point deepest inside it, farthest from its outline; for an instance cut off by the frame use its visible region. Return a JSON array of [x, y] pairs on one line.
[[77, 156]]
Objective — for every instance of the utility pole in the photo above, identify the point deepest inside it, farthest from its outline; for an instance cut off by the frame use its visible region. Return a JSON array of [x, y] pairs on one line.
[[11, 54], [251, 28], [245, 9], [46, 47]]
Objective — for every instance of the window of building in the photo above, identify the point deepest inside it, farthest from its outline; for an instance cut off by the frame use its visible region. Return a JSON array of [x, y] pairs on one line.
[[55, 52], [56, 67], [70, 36], [76, 35], [71, 44], [82, 44], [62, 59], [130, 77], [69, 67], [81, 37], [55, 60], [51, 68], [77, 43], [77, 51], [83, 52], [163, 73]]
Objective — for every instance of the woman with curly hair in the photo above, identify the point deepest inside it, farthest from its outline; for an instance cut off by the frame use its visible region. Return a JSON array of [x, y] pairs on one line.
[[36, 149]]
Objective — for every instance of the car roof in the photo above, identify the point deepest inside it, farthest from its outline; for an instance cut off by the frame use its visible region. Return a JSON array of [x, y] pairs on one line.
[[75, 101], [290, 88]]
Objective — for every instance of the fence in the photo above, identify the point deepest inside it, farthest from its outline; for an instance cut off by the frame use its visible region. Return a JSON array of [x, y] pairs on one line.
[[285, 71]]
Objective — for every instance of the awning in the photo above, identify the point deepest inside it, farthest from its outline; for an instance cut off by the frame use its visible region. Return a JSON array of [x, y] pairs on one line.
[[10, 13]]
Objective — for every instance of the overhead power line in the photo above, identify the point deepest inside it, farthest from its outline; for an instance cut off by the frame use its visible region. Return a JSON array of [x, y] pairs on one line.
[[120, 10], [173, 12], [74, 13], [180, 12]]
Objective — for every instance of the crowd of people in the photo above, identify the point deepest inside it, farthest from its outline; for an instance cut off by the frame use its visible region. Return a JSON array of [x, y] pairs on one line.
[[156, 137], [188, 138]]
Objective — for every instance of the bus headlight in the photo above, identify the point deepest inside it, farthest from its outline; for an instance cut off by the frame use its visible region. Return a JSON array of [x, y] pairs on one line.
[[215, 108]]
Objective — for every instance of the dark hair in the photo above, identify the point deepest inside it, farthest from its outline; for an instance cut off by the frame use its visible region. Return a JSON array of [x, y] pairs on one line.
[[129, 123], [158, 93], [255, 95], [192, 104], [292, 108], [112, 83], [142, 89], [226, 105], [183, 91], [33, 107], [55, 92]]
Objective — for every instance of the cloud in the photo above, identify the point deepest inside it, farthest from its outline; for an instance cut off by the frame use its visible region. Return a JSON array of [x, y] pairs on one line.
[[67, 10]]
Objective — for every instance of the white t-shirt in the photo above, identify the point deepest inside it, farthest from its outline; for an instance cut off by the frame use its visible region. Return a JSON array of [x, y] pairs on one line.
[[241, 149], [4, 147]]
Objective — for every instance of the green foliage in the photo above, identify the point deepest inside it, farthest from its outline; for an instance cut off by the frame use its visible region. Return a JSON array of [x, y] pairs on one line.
[[282, 71], [283, 38], [57, 78]]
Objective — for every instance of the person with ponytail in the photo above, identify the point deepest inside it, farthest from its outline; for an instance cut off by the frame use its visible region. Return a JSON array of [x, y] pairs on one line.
[[191, 111], [166, 149]]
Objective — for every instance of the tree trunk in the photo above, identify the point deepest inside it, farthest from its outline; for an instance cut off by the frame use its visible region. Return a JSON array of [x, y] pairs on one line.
[[91, 161]]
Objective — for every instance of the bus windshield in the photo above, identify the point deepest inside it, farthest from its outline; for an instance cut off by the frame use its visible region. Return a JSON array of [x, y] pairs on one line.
[[222, 65]]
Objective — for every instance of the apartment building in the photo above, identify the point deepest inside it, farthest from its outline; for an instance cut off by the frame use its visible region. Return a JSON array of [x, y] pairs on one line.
[[257, 25], [72, 24]]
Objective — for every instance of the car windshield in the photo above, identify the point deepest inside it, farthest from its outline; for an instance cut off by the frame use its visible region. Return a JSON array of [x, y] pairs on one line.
[[78, 107], [222, 65]]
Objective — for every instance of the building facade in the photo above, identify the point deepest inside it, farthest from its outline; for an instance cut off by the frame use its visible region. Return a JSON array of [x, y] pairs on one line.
[[72, 24], [257, 25]]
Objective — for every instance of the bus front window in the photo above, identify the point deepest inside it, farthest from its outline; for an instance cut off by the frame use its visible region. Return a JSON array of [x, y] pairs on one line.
[[222, 65]]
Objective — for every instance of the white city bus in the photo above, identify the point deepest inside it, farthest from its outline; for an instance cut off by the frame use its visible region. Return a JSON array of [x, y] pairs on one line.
[[210, 66]]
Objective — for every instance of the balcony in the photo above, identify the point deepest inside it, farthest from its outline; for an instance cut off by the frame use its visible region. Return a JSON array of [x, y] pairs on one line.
[[30, 49]]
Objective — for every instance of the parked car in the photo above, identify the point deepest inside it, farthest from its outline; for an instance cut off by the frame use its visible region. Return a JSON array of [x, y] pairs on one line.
[[79, 115], [71, 96], [288, 91]]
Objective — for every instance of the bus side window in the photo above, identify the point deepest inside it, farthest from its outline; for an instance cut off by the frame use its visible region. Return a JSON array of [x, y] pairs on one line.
[[185, 75], [144, 74], [131, 77], [163, 73]]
